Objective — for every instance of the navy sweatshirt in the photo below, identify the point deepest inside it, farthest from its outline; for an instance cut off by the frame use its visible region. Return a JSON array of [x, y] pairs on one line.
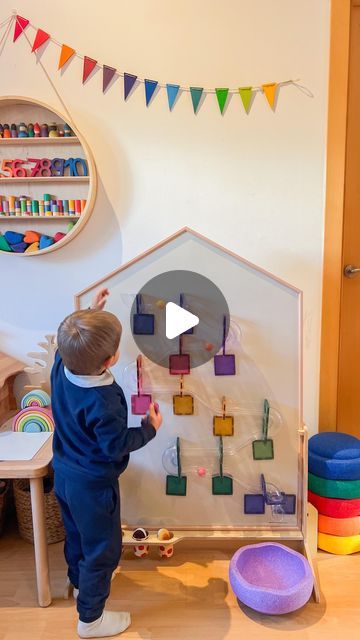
[[92, 440]]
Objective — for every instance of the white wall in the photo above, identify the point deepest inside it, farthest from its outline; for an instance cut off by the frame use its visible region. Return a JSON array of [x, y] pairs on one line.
[[253, 183]]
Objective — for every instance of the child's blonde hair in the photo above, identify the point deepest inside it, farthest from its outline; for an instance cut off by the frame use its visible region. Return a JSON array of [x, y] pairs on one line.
[[86, 339]]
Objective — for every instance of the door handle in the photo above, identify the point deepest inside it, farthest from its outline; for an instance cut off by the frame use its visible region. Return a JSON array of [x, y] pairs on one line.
[[350, 271]]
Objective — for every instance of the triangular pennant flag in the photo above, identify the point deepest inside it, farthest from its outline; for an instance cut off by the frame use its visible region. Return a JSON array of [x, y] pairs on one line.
[[65, 55], [20, 24], [196, 93], [89, 65], [172, 91], [40, 39], [222, 95], [270, 92], [108, 74], [150, 86], [245, 95], [129, 81]]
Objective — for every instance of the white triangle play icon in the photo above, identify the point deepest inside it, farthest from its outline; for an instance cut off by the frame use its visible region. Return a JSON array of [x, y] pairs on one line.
[[178, 320]]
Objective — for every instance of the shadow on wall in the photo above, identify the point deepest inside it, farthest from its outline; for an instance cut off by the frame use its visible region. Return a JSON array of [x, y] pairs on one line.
[[39, 290]]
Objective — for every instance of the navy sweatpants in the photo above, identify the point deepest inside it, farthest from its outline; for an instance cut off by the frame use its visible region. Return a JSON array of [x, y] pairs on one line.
[[91, 515]]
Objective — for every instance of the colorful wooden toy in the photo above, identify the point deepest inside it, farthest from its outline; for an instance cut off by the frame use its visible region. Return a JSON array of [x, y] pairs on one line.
[[67, 131], [143, 323], [33, 420], [224, 364], [7, 133], [59, 236], [176, 485], [183, 404], [179, 363], [31, 236], [13, 131], [37, 130], [45, 241], [20, 247], [53, 132], [32, 248], [44, 131], [140, 402], [31, 131], [35, 398], [223, 425], [13, 237], [222, 485], [1, 131], [4, 245], [23, 132], [264, 449]]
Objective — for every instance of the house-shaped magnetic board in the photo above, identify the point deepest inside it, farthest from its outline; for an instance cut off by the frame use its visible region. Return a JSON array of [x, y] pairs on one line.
[[265, 336]]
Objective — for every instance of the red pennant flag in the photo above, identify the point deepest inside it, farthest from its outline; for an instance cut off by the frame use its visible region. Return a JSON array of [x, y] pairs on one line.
[[40, 39], [65, 55], [89, 65], [20, 24]]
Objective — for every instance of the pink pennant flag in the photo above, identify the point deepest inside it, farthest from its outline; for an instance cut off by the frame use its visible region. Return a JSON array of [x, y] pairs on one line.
[[20, 24]]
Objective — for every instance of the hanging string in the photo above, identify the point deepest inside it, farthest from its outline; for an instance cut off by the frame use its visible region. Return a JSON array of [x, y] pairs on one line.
[[159, 84], [6, 33]]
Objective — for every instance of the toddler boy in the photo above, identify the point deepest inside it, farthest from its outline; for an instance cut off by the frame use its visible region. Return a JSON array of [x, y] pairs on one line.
[[91, 445]]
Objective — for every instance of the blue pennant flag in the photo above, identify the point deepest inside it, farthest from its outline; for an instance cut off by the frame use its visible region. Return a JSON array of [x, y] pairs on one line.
[[129, 81], [150, 86], [172, 91]]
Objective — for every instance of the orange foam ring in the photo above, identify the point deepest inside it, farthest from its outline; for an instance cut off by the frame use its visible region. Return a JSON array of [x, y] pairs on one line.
[[339, 526]]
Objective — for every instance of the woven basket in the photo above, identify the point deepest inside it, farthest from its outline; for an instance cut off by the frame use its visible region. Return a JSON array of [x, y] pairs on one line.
[[55, 531], [3, 504]]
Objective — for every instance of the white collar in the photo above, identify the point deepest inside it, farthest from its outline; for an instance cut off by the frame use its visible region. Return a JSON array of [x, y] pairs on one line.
[[86, 382]]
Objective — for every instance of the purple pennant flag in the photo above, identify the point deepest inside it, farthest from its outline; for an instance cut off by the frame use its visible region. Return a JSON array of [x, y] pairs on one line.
[[108, 74], [129, 81]]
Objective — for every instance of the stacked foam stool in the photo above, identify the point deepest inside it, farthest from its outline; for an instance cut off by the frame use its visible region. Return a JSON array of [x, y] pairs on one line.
[[334, 490]]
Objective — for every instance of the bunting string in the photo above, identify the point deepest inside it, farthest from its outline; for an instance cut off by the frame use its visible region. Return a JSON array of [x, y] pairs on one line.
[[197, 93]]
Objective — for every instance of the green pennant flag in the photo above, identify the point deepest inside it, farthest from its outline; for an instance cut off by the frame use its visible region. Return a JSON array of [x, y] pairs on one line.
[[222, 95], [196, 93], [246, 95]]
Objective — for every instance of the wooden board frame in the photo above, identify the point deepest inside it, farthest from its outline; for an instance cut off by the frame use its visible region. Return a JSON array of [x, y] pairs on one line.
[[287, 534], [81, 222]]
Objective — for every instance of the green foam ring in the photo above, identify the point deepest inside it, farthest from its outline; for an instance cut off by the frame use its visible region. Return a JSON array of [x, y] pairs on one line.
[[342, 489]]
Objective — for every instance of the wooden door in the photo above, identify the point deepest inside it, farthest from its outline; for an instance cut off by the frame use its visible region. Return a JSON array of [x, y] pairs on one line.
[[348, 405]]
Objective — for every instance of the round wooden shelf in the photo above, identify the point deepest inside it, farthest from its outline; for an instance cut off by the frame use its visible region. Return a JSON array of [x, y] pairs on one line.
[[22, 109]]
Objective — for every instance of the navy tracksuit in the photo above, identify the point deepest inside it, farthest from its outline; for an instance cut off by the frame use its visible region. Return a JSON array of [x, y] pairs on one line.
[[91, 448]]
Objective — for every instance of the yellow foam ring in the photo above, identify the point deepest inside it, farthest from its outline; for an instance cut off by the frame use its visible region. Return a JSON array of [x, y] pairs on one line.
[[339, 545]]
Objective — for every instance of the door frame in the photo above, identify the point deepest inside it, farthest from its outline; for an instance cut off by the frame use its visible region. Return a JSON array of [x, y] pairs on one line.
[[334, 210]]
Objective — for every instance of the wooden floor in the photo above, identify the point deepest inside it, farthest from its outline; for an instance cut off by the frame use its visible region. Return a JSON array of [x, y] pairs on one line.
[[185, 598]]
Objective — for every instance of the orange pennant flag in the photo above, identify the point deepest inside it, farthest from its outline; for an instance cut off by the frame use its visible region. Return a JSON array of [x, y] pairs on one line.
[[270, 92], [40, 39], [65, 55]]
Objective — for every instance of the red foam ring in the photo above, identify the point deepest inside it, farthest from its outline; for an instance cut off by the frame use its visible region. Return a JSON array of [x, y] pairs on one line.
[[334, 507]]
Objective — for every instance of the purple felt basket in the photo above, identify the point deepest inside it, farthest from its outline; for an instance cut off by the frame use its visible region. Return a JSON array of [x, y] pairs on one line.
[[271, 578]]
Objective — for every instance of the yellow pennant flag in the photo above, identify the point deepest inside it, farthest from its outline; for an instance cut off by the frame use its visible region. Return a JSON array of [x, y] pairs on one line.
[[270, 92], [65, 55]]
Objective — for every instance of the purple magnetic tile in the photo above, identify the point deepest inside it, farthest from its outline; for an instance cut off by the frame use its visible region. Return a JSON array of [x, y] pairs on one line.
[[140, 403], [224, 364], [179, 364], [289, 504], [271, 578], [254, 503]]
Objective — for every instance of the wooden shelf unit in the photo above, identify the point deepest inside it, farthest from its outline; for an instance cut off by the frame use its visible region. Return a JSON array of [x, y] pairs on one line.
[[37, 218], [45, 179], [34, 141]]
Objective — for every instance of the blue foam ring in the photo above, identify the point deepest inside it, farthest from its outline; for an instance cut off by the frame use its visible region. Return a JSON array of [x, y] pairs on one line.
[[334, 456]]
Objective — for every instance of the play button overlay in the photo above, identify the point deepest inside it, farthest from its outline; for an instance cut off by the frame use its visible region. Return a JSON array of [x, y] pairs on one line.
[[179, 320]]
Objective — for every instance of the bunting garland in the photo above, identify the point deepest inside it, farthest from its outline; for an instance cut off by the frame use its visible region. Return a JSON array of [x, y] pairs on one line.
[[246, 93]]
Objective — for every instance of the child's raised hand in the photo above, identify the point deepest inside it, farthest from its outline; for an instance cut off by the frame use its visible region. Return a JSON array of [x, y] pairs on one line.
[[99, 299], [154, 416]]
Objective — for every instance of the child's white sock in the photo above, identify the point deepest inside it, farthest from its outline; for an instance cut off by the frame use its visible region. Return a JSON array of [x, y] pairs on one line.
[[109, 624]]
